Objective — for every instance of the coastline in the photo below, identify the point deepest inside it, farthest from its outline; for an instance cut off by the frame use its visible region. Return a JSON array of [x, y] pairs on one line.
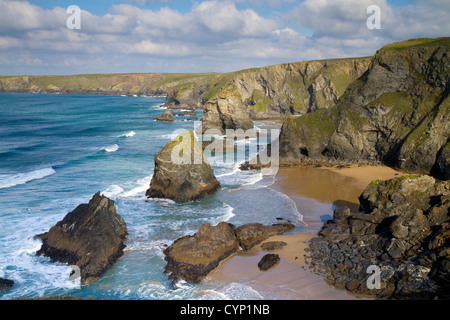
[[316, 192]]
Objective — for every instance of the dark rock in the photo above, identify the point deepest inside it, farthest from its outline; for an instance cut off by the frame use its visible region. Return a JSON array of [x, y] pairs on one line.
[[187, 178], [191, 258], [184, 114], [90, 237], [268, 262], [404, 231], [6, 284], [167, 116], [273, 245], [252, 234]]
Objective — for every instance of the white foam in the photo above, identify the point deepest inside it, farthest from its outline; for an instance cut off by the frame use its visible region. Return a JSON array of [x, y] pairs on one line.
[[128, 135], [232, 291], [229, 214], [112, 148], [7, 181], [139, 190], [113, 191]]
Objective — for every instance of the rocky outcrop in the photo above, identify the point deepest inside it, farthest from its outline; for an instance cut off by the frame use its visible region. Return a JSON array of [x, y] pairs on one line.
[[402, 231], [397, 113], [6, 284], [250, 235], [192, 258], [167, 116], [224, 113], [182, 173], [90, 237], [189, 97]]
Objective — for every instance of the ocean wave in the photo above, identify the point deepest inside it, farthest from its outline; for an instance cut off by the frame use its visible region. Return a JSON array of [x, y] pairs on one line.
[[7, 181], [112, 148], [128, 135], [113, 192], [135, 189]]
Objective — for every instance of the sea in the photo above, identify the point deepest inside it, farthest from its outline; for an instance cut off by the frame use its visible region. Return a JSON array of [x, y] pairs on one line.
[[57, 151]]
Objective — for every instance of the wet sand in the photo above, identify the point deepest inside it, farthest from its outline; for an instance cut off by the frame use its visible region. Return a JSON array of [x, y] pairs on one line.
[[316, 193]]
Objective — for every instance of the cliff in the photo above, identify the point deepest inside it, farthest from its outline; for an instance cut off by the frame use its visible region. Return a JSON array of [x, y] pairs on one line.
[[154, 84], [278, 91], [397, 113], [275, 91]]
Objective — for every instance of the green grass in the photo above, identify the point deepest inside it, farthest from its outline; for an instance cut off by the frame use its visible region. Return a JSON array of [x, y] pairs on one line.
[[420, 42]]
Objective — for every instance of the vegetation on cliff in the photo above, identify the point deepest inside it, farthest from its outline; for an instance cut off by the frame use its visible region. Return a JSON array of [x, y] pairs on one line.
[[396, 113]]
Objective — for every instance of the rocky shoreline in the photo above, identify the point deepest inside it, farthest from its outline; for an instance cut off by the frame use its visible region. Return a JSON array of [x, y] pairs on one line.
[[402, 235], [192, 258]]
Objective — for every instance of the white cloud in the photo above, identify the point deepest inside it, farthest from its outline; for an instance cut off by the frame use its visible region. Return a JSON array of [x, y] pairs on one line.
[[212, 36]]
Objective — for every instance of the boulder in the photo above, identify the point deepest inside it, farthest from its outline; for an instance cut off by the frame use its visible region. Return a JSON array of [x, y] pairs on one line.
[[90, 237], [167, 116], [191, 258], [249, 235], [268, 262], [182, 173], [6, 284]]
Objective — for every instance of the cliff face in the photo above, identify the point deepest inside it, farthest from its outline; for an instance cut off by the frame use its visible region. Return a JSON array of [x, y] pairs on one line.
[[281, 90], [397, 113]]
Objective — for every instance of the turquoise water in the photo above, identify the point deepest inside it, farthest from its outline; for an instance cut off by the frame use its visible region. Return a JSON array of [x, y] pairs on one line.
[[57, 151]]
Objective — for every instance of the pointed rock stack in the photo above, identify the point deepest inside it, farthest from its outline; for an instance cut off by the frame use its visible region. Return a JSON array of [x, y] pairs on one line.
[[90, 237], [182, 173]]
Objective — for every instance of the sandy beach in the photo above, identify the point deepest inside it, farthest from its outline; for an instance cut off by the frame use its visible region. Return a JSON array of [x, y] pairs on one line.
[[316, 193]]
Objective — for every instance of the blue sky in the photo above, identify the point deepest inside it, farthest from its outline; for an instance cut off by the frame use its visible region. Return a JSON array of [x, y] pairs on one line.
[[122, 36]]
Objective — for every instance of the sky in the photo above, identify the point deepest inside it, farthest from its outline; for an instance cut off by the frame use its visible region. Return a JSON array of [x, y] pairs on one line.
[[136, 36]]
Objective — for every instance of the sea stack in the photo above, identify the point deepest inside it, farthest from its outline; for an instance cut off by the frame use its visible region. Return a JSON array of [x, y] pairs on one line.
[[90, 237], [166, 116], [182, 173]]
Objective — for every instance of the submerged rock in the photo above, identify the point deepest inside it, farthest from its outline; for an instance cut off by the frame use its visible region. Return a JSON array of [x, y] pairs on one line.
[[191, 258], [182, 173], [166, 116], [90, 237], [6, 284], [273, 245]]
